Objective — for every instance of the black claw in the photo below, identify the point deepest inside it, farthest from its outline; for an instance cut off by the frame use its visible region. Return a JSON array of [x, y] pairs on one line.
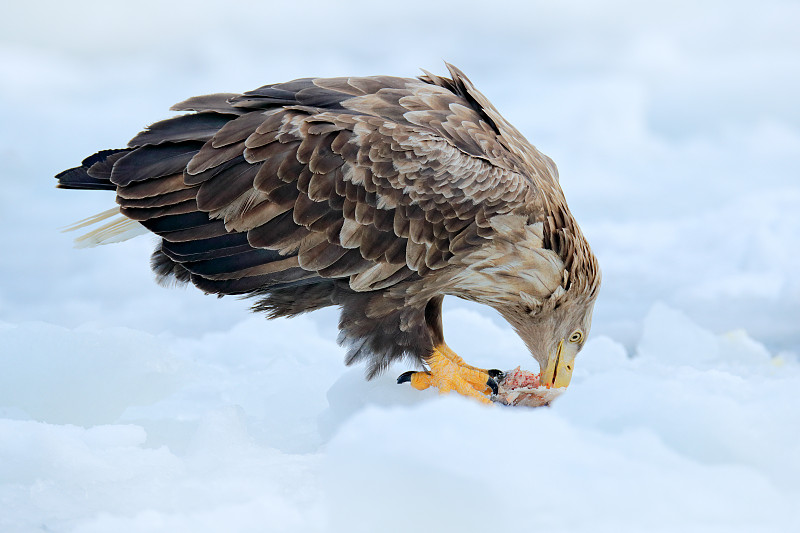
[[496, 374], [493, 385], [405, 377]]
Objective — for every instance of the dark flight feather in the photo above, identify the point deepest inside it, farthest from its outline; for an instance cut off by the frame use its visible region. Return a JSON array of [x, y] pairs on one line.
[[79, 178], [195, 250], [218, 103], [150, 162], [194, 127]]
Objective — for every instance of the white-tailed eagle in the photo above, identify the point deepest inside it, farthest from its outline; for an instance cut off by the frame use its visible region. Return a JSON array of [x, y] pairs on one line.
[[377, 194]]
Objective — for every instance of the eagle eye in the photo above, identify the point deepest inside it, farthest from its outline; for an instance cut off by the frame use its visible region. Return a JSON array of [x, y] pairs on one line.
[[576, 337]]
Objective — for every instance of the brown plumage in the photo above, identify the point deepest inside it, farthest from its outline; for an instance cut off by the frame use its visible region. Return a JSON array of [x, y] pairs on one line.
[[376, 194]]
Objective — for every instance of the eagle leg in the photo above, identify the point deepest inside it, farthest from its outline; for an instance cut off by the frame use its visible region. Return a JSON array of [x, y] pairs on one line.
[[493, 373], [448, 372]]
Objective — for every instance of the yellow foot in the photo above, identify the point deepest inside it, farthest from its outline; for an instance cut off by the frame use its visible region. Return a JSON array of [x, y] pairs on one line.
[[448, 372]]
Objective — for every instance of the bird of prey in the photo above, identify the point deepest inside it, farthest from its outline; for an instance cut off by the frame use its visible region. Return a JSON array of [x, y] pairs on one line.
[[376, 194]]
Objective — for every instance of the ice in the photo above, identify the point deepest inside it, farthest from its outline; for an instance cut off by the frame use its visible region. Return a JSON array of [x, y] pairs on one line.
[[530, 470], [113, 368], [637, 441], [127, 407]]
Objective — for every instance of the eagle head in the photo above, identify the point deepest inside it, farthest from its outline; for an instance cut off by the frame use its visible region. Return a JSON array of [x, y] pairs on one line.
[[554, 334]]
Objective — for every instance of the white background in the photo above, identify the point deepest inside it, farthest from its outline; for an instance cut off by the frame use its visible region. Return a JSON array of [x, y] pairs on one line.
[[676, 129]]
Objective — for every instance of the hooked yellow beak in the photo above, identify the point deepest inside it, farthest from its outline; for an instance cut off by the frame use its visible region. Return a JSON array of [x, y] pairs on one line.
[[559, 371]]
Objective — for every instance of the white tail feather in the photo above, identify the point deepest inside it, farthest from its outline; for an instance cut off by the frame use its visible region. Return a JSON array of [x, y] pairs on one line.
[[118, 229]]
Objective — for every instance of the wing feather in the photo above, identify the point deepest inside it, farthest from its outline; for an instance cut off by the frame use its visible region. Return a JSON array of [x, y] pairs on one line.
[[195, 127], [369, 180], [149, 162]]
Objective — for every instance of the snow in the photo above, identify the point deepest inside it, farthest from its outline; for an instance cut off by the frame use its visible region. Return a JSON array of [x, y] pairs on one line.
[[214, 434], [128, 407]]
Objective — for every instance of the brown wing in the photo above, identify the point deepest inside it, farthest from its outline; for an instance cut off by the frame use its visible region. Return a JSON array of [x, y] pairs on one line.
[[370, 180]]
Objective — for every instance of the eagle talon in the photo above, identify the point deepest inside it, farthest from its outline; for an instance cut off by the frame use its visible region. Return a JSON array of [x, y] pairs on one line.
[[497, 375], [492, 384], [405, 377]]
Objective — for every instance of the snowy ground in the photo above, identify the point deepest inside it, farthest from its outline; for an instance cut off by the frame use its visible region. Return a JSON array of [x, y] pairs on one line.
[[128, 407]]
